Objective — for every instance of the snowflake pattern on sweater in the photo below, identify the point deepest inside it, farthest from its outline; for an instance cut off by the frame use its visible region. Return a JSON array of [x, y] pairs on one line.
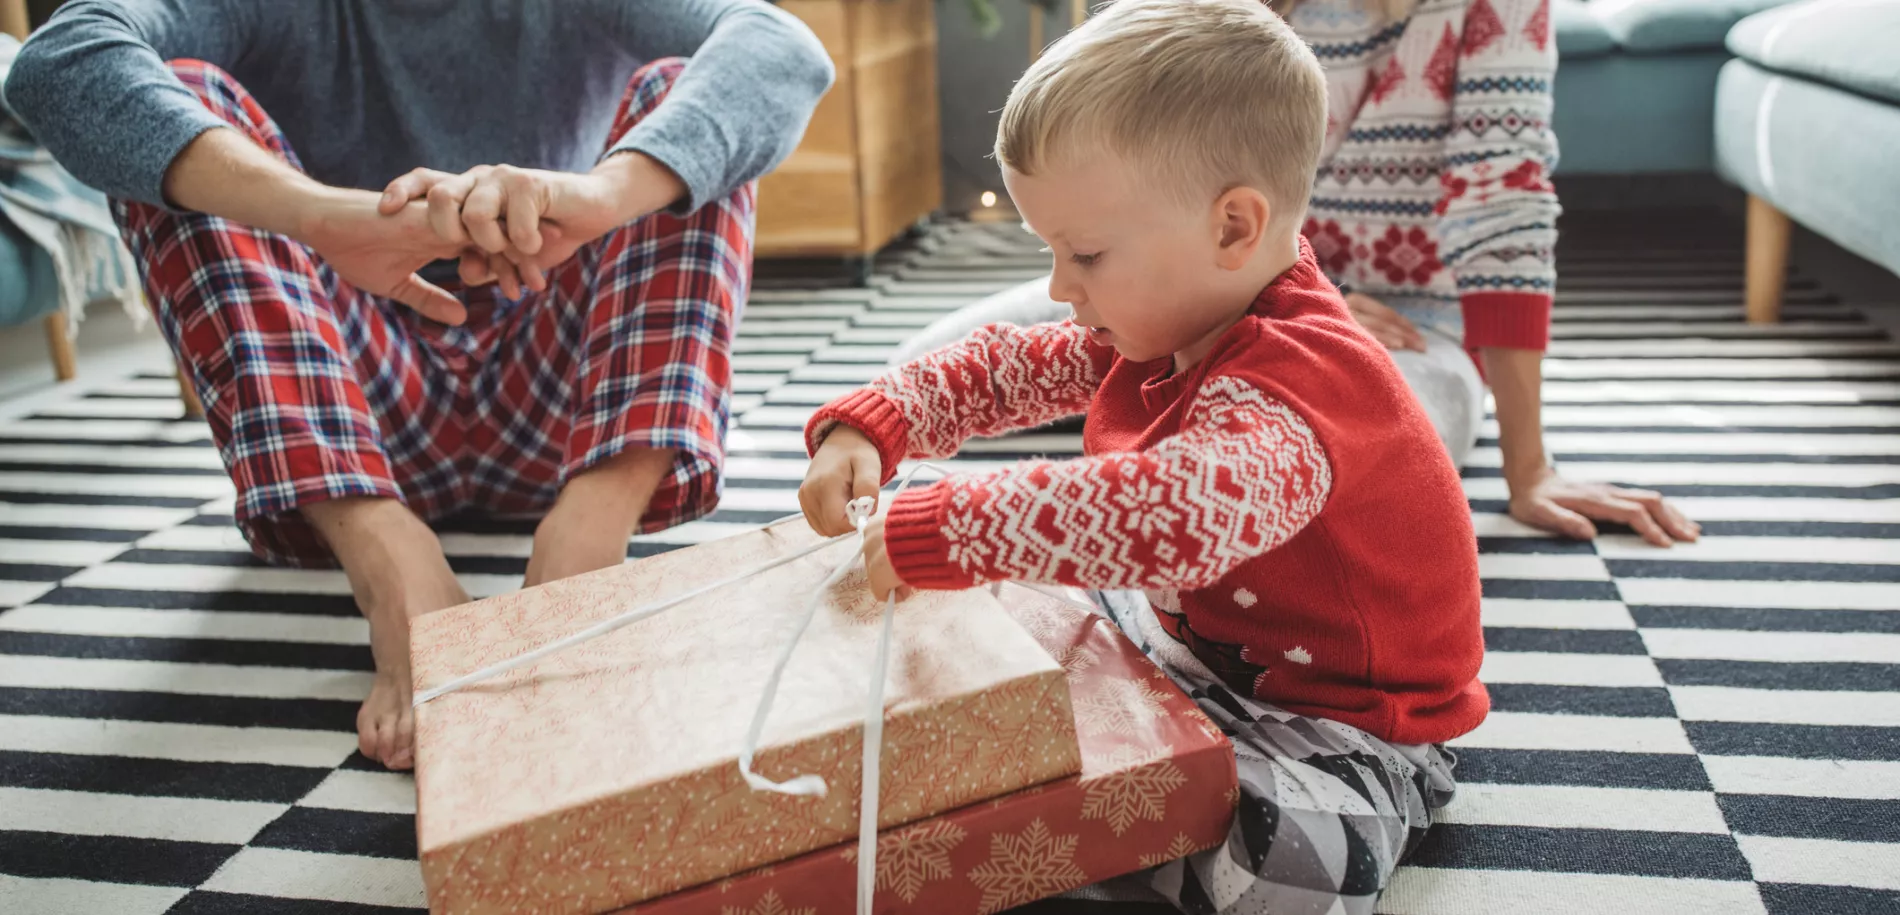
[[1242, 477], [1434, 188], [1244, 474]]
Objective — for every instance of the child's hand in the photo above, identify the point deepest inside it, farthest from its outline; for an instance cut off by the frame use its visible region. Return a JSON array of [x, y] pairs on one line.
[[877, 563], [846, 467]]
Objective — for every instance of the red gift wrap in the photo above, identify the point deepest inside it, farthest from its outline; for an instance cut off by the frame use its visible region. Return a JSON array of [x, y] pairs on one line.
[[1157, 783]]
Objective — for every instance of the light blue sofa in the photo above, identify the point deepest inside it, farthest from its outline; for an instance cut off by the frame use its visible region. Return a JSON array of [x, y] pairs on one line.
[[1807, 122], [1635, 89]]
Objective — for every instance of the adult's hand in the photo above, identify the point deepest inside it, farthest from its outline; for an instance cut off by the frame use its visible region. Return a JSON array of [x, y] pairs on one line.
[[224, 173], [519, 223], [1386, 326], [381, 251]]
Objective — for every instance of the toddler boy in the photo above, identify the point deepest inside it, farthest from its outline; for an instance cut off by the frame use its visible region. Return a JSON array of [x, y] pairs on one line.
[[1263, 506]]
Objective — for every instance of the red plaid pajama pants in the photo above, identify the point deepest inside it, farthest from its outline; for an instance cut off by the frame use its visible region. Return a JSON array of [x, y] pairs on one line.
[[316, 390]]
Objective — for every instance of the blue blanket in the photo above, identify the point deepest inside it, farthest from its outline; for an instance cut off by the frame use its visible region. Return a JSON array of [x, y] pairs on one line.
[[65, 218]]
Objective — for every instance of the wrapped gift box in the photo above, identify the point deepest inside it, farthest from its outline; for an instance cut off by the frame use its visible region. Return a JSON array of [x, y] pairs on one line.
[[1157, 783], [607, 773]]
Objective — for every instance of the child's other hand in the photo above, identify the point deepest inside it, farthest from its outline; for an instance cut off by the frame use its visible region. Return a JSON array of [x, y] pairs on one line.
[[846, 467], [877, 563]]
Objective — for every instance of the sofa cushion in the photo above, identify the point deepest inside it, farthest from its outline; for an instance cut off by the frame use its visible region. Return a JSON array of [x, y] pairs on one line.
[[1818, 153], [1852, 44], [1579, 32], [1652, 26]]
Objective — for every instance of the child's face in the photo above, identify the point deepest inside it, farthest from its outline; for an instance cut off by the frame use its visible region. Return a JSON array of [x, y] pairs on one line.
[[1136, 264]]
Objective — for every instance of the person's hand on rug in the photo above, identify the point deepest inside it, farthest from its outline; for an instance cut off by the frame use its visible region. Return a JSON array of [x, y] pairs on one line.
[[1552, 503], [515, 224], [846, 466], [1540, 496], [1386, 326]]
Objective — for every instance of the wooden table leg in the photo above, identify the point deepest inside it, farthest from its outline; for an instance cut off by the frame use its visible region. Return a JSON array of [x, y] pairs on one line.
[[60, 343], [1768, 237]]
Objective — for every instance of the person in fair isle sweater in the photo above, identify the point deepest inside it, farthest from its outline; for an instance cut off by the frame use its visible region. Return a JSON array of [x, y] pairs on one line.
[[1433, 211], [1264, 506]]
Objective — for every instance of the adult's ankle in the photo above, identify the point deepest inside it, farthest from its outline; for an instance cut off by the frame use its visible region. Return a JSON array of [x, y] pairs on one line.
[[392, 558]]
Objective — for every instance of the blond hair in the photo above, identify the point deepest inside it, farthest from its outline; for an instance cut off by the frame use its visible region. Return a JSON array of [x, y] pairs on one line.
[[1206, 94]]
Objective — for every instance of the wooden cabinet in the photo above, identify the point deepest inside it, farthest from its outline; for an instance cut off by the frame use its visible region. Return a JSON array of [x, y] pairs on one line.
[[870, 163]]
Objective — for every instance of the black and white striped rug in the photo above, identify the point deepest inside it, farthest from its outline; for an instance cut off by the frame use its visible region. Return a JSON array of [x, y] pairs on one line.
[[1712, 729]]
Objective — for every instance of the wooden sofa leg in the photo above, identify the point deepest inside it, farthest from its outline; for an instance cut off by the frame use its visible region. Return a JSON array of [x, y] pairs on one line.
[[194, 408], [1768, 239], [60, 343]]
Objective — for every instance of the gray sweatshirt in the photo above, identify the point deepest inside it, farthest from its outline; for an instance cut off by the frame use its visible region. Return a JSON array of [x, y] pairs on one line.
[[366, 90]]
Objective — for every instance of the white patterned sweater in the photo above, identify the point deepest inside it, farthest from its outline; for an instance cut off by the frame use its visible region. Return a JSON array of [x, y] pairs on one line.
[[1433, 194]]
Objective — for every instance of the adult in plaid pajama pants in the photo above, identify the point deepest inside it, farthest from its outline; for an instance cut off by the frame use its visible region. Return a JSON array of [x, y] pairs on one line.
[[320, 395]]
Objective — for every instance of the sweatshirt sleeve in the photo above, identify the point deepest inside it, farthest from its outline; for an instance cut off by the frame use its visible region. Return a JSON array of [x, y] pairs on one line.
[[1498, 216], [754, 75], [999, 378], [1245, 474], [93, 86]]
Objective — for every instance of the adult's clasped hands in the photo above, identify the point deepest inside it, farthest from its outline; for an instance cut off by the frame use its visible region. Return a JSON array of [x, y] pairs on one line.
[[506, 225]]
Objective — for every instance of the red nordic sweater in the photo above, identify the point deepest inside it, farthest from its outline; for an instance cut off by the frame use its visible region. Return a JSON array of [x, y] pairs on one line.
[[1285, 502]]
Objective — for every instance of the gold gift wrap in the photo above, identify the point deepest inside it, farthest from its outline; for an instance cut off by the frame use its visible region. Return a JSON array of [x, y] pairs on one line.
[[607, 773]]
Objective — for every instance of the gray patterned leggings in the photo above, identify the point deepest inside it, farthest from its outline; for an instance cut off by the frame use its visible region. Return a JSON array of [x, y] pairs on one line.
[[1326, 811]]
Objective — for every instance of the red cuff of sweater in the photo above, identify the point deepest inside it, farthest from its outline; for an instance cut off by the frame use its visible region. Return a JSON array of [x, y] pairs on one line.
[[913, 538], [870, 413], [1507, 320]]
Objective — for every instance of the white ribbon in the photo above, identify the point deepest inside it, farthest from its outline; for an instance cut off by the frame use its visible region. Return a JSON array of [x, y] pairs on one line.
[[859, 512]]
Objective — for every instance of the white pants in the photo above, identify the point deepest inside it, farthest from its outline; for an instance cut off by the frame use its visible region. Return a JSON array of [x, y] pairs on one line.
[[1443, 378]]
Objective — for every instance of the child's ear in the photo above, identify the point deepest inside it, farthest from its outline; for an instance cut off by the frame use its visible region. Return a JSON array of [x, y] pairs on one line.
[[1242, 215]]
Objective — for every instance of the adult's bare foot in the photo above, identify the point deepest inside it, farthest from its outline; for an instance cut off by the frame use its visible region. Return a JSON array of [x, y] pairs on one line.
[[386, 724], [397, 571]]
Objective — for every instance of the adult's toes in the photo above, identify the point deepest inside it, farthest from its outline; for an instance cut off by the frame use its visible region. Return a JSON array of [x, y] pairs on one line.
[[402, 751], [367, 738], [385, 740]]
